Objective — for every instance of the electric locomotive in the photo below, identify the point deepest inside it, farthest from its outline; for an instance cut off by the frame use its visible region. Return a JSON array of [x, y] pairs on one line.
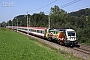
[[62, 36]]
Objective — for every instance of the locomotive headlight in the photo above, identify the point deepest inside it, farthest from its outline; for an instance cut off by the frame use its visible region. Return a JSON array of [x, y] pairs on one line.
[[70, 37]]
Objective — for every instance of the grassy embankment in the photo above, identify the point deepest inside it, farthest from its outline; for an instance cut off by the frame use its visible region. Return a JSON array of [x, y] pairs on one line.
[[15, 46]]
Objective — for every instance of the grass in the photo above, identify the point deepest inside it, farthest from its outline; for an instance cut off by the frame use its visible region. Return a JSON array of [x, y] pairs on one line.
[[15, 46], [58, 51]]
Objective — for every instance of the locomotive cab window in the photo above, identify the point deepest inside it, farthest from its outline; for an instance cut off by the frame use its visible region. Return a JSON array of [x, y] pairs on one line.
[[71, 33]]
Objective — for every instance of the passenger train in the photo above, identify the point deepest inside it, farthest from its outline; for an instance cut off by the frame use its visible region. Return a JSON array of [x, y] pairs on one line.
[[62, 36]]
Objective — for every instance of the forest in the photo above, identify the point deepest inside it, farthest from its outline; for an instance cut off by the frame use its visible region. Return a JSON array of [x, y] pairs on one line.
[[59, 18]]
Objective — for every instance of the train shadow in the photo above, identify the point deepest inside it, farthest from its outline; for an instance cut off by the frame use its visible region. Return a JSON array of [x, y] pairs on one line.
[[72, 46]]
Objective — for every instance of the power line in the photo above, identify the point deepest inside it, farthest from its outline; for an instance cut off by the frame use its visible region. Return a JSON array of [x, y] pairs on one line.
[[63, 6], [70, 3], [44, 6]]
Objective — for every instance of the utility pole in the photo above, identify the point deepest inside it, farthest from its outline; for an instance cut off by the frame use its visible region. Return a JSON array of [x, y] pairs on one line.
[[12, 24], [27, 23], [17, 24], [8, 24], [20, 23], [49, 22]]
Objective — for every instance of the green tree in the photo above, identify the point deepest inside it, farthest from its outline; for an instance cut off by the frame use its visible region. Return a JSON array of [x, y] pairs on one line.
[[3, 24], [57, 16]]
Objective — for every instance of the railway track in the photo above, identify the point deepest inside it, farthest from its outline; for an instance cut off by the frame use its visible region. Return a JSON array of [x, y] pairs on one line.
[[83, 48]]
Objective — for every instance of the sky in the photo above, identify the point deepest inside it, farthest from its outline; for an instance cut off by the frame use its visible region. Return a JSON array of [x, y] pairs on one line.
[[11, 8]]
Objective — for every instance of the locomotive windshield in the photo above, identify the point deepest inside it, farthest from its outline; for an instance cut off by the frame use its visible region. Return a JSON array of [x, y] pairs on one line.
[[71, 33]]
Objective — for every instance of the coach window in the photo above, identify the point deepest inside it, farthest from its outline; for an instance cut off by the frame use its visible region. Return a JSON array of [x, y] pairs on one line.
[[29, 29], [34, 30], [42, 32], [37, 31], [22, 28], [25, 29]]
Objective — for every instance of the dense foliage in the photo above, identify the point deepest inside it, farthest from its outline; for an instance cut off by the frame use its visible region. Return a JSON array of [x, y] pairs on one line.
[[79, 21]]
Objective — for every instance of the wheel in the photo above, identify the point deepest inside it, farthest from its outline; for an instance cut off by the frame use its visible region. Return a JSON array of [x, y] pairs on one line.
[[61, 43], [49, 39]]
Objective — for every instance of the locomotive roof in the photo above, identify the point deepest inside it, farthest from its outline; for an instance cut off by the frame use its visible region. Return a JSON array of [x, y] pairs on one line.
[[39, 28], [36, 28], [61, 29]]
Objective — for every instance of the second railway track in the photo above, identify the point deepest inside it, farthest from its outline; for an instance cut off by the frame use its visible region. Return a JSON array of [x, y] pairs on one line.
[[82, 50]]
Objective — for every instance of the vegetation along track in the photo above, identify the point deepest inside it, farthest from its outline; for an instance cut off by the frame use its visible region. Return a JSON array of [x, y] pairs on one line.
[[76, 51]]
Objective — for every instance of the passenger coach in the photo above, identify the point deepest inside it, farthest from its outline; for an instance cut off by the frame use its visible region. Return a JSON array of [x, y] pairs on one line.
[[37, 31]]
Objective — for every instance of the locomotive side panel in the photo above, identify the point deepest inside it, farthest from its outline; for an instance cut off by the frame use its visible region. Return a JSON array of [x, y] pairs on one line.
[[63, 36]]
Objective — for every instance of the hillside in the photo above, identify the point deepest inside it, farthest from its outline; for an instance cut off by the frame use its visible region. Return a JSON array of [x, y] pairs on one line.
[[85, 12]]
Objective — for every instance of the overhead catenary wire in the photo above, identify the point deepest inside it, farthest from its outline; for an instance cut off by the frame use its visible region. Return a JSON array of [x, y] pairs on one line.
[[45, 5], [70, 3], [63, 6]]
